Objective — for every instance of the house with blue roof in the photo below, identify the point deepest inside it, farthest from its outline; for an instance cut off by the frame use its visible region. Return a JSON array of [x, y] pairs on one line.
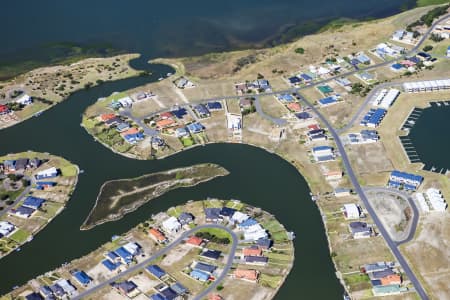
[[211, 254], [200, 266], [227, 212], [134, 137], [303, 116], [179, 288], [23, 212], [285, 98], [214, 106], [82, 277], [179, 113], [34, 296], [199, 275], [111, 266], [168, 293], [33, 202], [42, 185], [195, 128], [124, 255], [157, 297], [363, 58], [327, 101], [306, 78], [156, 271], [212, 214], [294, 80], [408, 181], [202, 111], [247, 223]]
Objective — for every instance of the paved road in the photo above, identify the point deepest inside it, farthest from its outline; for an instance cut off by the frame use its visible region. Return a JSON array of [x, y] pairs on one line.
[[259, 110], [163, 251], [358, 189], [412, 204], [20, 197]]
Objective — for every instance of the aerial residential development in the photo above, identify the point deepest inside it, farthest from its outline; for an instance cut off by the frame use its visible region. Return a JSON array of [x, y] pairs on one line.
[[339, 134]]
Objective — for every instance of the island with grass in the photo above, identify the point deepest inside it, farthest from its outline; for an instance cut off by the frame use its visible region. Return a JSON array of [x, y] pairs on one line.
[[119, 197], [34, 189], [197, 250]]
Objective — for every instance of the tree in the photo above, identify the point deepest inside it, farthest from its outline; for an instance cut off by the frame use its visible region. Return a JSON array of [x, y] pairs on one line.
[[427, 48], [300, 50]]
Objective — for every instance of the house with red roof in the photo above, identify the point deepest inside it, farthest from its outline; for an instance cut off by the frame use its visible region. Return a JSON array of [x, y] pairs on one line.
[[157, 235], [248, 275], [194, 241], [3, 109]]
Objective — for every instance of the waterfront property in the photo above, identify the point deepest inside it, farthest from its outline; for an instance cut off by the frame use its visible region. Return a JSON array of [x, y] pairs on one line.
[[409, 182]]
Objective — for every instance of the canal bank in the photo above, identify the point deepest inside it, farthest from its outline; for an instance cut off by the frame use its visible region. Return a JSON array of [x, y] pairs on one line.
[[264, 179]]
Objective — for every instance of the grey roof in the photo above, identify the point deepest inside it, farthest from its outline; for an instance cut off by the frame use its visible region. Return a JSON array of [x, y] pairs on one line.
[[212, 213], [205, 267], [185, 218], [357, 227], [381, 274]]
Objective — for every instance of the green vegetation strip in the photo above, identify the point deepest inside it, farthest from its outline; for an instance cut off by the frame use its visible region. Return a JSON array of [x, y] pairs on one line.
[[119, 197]]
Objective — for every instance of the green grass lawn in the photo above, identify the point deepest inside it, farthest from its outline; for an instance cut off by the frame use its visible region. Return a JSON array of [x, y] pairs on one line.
[[270, 280], [430, 2], [217, 232], [174, 212], [356, 278], [234, 204], [187, 141], [20, 236], [117, 96], [212, 203], [69, 170]]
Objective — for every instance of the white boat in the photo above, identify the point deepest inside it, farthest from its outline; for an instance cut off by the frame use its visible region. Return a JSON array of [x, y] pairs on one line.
[[169, 74]]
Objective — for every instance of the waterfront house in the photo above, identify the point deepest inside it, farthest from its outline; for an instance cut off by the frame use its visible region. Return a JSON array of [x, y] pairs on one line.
[[351, 211], [360, 230], [399, 179], [157, 235], [22, 212], [181, 132], [4, 109], [227, 212], [82, 277], [248, 275], [385, 290], [256, 260], [378, 266], [43, 185], [33, 202], [247, 223], [6, 228], [171, 225], [34, 296], [212, 215], [253, 250], [47, 173], [24, 100], [195, 128], [264, 243], [185, 218], [239, 217]]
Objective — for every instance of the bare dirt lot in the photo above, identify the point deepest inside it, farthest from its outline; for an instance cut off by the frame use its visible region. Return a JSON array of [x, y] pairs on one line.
[[429, 252]]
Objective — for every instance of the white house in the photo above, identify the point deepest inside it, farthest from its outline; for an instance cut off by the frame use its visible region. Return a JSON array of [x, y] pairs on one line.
[[125, 101], [47, 173], [239, 217], [255, 232], [171, 225], [133, 248], [351, 211], [24, 100], [6, 228]]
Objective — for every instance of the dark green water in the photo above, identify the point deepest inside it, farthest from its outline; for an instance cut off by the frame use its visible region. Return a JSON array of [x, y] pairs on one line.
[[257, 177], [35, 30], [430, 137]]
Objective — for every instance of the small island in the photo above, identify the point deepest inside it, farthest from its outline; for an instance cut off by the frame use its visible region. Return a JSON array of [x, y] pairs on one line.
[[119, 197], [212, 249], [34, 189]]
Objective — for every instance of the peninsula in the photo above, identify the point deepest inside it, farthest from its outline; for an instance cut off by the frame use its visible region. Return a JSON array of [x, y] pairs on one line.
[[119, 197], [212, 249], [34, 189]]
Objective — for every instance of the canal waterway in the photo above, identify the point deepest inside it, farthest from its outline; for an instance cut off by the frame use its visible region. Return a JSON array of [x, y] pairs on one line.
[[257, 177], [430, 138]]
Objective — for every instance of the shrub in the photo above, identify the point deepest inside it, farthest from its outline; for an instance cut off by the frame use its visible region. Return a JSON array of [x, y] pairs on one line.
[[300, 50]]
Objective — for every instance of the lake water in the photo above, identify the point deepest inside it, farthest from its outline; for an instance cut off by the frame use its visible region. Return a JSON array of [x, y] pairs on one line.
[[430, 139], [172, 28]]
